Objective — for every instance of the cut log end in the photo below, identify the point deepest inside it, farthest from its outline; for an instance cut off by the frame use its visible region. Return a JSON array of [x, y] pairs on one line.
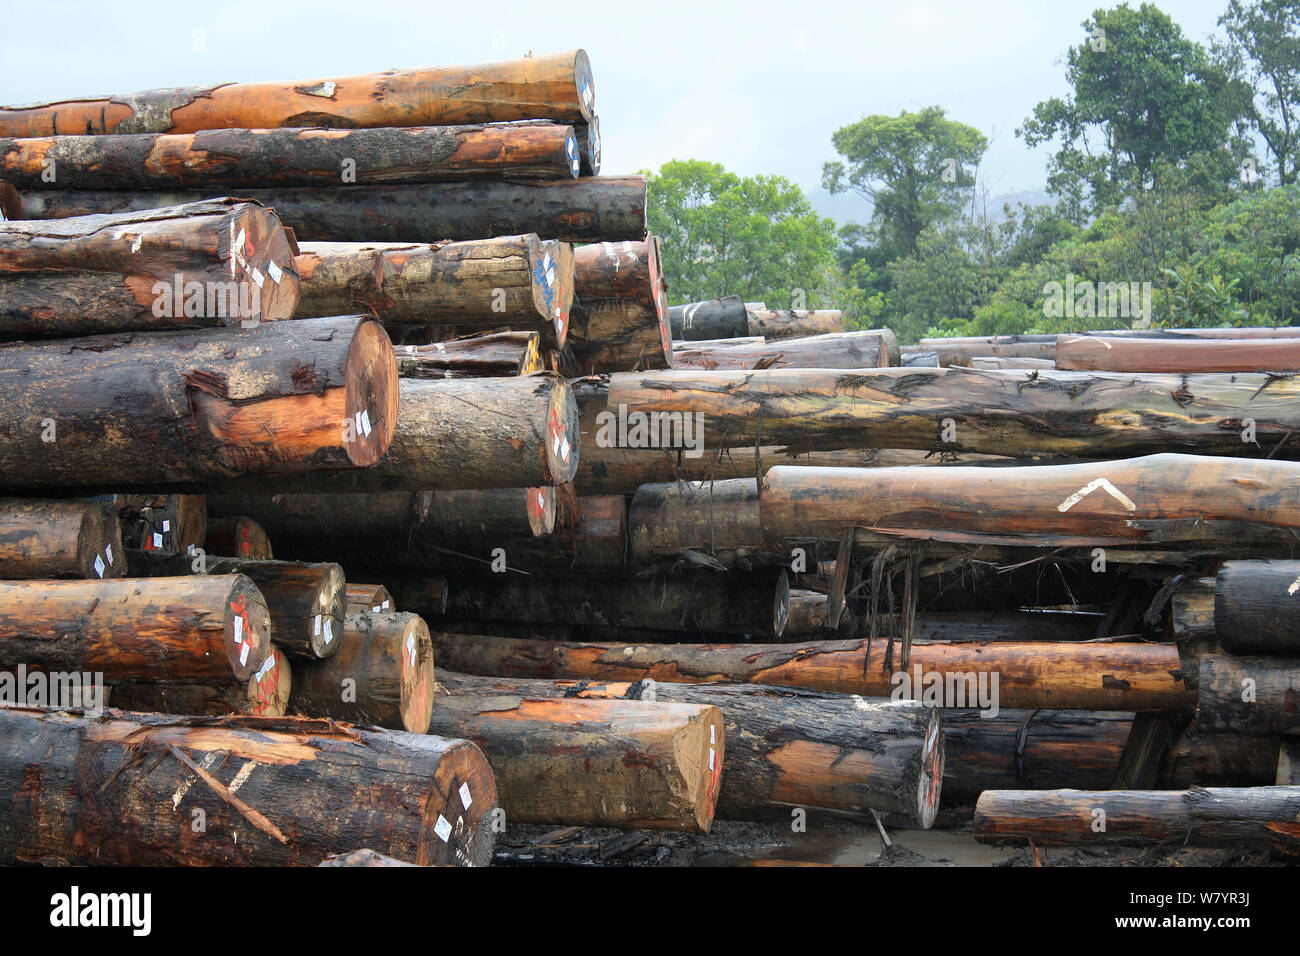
[[372, 394], [11, 203], [584, 84], [254, 244], [781, 605], [930, 782], [368, 597], [247, 628], [240, 537], [540, 504], [417, 675], [459, 814], [561, 451], [269, 688], [328, 612]]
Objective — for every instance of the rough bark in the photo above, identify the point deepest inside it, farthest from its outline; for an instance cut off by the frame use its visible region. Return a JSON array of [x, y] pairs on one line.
[[1112, 676], [793, 323], [723, 318], [620, 321], [557, 87], [1199, 759], [589, 145], [596, 209], [951, 352], [123, 789], [188, 406], [787, 747], [1240, 818], [217, 262], [201, 628], [1254, 607], [618, 763], [719, 519], [42, 538], [520, 282], [808, 617], [306, 601], [382, 674], [368, 597], [159, 522], [869, 349], [265, 694], [1288, 764], [1248, 696], [492, 355]]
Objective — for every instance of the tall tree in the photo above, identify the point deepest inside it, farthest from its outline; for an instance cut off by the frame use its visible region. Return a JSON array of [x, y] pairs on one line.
[[1143, 95], [914, 169], [757, 237], [1264, 43]]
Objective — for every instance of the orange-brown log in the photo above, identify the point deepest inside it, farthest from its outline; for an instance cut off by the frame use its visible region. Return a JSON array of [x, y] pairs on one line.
[[11, 203], [557, 87], [265, 694], [125, 788], [1173, 355], [620, 319], [368, 597], [239, 536], [1074, 676], [382, 674], [218, 262], [619, 763], [53, 538], [190, 628], [192, 406]]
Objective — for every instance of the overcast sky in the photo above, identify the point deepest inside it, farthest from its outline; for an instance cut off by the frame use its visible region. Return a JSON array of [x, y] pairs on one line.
[[758, 87]]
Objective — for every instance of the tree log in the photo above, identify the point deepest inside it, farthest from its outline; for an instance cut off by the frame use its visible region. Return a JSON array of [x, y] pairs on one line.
[[723, 318], [702, 602], [239, 536], [1248, 696], [588, 136], [557, 87], [516, 281], [182, 628], [1243, 818], [59, 539], [833, 350], [11, 203], [461, 433], [368, 597], [620, 321], [596, 209], [126, 789], [366, 858], [189, 406], [808, 619], [1254, 607], [157, 522], [1031, 749], [493, 355], [614, 763], [1198, 759], [793, 323], [216, 262], [1174, 355], [1159, 500], [265, 694], [952, 352], [1288, 764], [718, 518], [786, 747], [239, 158], [1114, 676], [382, 674], [1017, 414], [306, 601]]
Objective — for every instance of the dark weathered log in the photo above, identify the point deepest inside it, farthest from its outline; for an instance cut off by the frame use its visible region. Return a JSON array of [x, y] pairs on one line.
[[1250, 696], [620, 320], [194, 405], [239, 536], [1159, 500], [717, 518], [493, 355], [1109, 354], [1191, 613], [127, 789], [595, 540], [367, 858], [1255, 604], [793, 323], [951, 352], [707, 602], [1288, 763], [265, 694], [368, 597], [723, 318], [1111, 676], [834, 350], [236, 158], [588, 136], [788, 746], [462, 433], [158, 522], [306, 601], [515, 281], [1033, 749], [998, 362], [808, 618], [557, 87], [1020, 414], [216, 262], [595, 209], [481, 519], [192, 628], [1198, 759], [619, 763], [44, 538], [1241, 818], [382, 674]]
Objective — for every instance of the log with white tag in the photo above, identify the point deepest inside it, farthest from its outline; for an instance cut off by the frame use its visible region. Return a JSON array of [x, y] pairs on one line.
[[54, 538]]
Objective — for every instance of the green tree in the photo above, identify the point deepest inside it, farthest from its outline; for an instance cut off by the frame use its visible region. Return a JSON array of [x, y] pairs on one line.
[[1144, 98], [915, 169], [1264, 43], [757, 237]]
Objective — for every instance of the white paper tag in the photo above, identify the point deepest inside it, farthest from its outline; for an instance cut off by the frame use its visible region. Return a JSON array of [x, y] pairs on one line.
[[167, 526], [274, 272], [365, 422], [108, 550], [465, 798], [239, 629], [258, 277], [713, 734], [243, 653], [99, 566], [442, 828], [266, 666], [316, 630], [711, 752], [410, 647], [384, 606], [157, 540], [328, 635]]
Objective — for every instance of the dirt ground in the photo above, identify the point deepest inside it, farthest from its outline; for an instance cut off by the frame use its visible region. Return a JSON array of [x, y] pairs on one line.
[[824, 843]]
